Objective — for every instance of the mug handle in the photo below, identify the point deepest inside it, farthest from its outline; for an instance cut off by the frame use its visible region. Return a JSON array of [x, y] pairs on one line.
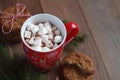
[[72, 31]]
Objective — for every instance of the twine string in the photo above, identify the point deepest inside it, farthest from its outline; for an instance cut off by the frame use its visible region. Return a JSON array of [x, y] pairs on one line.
[[12, 17]]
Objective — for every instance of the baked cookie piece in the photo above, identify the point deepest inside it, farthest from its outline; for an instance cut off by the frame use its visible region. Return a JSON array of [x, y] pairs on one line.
[[11, 21], [77, 66], [79, 61], [71, 73]]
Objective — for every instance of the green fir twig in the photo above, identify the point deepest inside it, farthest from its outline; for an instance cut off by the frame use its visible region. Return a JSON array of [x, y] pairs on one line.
[[4, 75], [17, 68], [79, 38]]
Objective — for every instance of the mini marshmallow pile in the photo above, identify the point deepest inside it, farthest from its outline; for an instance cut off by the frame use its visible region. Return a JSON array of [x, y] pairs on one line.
[[42, 36]]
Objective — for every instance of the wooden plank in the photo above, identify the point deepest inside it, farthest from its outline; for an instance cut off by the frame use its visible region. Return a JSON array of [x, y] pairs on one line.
[[0, 6], [70, 10], [116, 3], [105, 28]]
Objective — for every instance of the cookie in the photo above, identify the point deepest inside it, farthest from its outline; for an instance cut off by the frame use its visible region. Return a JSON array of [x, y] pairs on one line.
[[79, 61], [12, 20], [71, 73], [77, 66]]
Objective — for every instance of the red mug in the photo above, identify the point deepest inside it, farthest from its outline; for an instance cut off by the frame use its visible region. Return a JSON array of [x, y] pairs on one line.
[[47, 60]]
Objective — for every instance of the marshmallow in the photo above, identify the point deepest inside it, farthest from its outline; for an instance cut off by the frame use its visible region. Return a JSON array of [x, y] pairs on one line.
[[57, 32], [42, 31], [36, 48], [27, 34], [27, 41], [28, 27], [48, 28], [32, 40], [44, 38], [55, 45], [50, 35], [40, 25], [38, 41], [58, 39], [54, 28], [47, 24], [45, 49], [34, 28], [49, 43]]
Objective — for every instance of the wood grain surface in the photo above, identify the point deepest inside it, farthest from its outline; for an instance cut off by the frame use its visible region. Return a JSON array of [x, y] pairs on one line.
[[98, 19]]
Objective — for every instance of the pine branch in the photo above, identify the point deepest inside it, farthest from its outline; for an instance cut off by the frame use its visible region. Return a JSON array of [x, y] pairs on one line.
[[4, 51], [17, 68], [79, 38], [6, 77], [41, 77]]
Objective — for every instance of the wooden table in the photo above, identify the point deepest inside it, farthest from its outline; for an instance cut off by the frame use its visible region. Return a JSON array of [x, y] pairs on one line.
[[98, 19]]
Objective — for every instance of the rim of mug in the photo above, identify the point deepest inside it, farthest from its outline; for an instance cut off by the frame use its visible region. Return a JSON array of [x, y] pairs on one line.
[[43, 14]]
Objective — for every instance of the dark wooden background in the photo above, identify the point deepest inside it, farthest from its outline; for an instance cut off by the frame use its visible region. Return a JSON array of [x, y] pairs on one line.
[[99, 19]]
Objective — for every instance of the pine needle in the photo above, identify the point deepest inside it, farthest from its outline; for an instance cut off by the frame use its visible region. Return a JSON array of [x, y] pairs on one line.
[[79, 38], [41, 77], [6, 77], [17, 68]]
